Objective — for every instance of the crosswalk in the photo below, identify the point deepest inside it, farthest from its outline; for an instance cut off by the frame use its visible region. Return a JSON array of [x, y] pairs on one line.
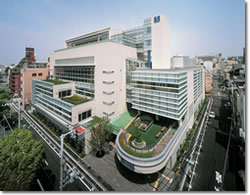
[[160, 181]]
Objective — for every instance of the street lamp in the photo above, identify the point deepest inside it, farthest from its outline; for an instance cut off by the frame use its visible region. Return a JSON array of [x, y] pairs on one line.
[[72, 175]]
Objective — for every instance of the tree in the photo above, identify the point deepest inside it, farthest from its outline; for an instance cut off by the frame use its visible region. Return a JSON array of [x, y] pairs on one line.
[[99, 135], [138, 134], [20, 159], [7, 70], [4, 109]]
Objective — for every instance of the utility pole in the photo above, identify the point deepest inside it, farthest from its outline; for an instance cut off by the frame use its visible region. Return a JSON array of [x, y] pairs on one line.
[[62, 162], [19, 114]]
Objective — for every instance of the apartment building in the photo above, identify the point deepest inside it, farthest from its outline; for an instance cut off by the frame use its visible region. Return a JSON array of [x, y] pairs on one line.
[[21, 75], [36, 70], [15, 72]]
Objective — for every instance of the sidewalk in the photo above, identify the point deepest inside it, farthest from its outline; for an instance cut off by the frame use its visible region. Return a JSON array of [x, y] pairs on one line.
[[109, 169]]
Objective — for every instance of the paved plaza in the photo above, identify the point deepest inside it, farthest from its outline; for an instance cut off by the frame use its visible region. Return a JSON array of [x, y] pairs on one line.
[[118, 178]]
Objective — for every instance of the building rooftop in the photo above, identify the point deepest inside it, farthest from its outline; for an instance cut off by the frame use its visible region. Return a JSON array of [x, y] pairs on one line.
[[75, 99], [55, 81], [87, 35], [167, 70]]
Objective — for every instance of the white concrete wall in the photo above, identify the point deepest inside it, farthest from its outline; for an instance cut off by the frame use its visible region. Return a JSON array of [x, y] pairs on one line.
[[66, 86], [182, 62], [108, 56], [77, 109], [160, 44], [190, 94], [209, 65]]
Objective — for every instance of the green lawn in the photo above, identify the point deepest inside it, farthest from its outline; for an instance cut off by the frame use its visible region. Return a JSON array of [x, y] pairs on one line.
[[149, 135], [92, 122], [75, 99], [56, 81], [132, 152], [122, 120]]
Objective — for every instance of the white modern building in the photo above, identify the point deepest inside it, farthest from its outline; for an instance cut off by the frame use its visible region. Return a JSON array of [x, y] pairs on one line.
[[116, 68]]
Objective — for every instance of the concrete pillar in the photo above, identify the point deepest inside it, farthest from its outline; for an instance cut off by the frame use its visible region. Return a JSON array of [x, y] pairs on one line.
[[156, 117], [169, 164], [139, 112], [180, 123]]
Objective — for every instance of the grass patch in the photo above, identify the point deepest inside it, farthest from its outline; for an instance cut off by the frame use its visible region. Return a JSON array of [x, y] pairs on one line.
[[92, 122], [56, 81], [75, 99], [149, 135], [132, 152]]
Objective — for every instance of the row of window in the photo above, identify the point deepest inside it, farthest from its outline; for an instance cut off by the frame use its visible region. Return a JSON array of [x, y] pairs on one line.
[[150, 79], [160, 103], [82, 116], [153, 106], [161, 113], [44, 99], [35, 74], [45, 88], [54, 110], [43, 91], [159, 75], [157, 93], [158, 88], [76, 73], [168, 100], [64, 93], [159, 84], [85, 92]]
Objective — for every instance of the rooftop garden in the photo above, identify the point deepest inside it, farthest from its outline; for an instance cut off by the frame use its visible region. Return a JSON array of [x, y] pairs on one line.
[[75, 99], [145, 137], [55, 81], [91, 123]]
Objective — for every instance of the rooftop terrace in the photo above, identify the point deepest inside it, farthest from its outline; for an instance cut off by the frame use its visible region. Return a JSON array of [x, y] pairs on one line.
[[75, 99], [55, 81]]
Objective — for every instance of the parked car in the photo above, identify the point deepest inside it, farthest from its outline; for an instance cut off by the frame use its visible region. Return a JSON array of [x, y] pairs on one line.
[[212, 115], [212, 112]]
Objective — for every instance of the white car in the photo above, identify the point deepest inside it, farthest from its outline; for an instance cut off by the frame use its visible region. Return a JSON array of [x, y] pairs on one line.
[[212, 115]]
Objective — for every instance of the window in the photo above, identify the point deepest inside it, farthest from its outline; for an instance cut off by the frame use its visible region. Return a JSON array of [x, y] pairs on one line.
[[149, 29], [82, 116], [64, 93], [33, 74], [40, 74]]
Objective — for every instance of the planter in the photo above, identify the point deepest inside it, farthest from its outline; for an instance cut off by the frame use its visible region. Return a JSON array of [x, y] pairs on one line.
[[139, 145]]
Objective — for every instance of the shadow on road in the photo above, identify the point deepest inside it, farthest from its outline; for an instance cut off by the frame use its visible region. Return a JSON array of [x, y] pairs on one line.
[[136, 177]]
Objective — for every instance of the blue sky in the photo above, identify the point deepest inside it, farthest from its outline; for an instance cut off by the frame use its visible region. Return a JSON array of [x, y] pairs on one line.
[[198, 27]]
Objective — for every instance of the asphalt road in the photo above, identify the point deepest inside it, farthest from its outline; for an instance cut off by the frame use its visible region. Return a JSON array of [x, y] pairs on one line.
[[214, 147]]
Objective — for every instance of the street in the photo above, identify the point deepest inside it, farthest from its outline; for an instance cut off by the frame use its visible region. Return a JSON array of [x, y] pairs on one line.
[[209, 170]]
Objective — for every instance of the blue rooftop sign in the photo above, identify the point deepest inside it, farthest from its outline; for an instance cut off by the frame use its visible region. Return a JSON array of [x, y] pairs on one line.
[[156, 19]]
